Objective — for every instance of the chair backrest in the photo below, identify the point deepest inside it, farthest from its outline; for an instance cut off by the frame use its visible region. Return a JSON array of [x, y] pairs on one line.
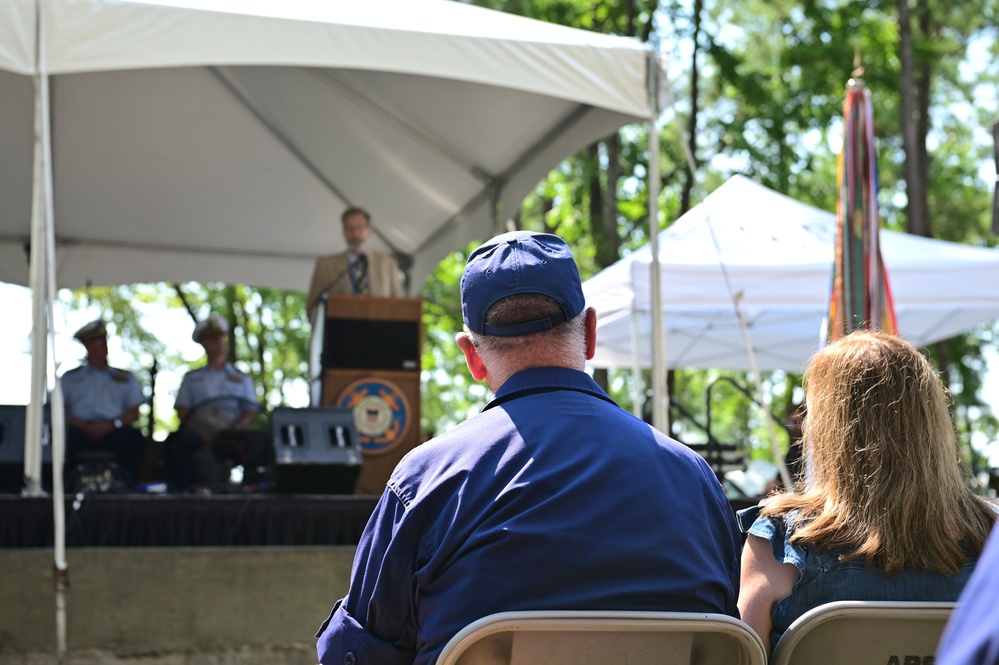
[[854, 632], [579, 637]]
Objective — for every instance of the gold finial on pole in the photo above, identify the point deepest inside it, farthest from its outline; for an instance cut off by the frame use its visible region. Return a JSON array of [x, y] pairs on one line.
[[856, 77]]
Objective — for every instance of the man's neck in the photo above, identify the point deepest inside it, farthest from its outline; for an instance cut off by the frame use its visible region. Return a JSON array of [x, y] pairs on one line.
[[98, 363], [216, 362]]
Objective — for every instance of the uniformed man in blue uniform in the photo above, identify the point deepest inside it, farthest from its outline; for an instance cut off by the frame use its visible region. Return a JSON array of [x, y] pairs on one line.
[[552, 498], [101, 404], [972, 635], [215, 403]]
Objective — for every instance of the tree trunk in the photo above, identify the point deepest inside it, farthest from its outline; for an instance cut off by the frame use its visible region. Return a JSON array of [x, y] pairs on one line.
[[691, 179], [611, 250], [609, 245], [924, 77], [184, 301], [914, 83], [598, 227], [913, 121], [231, 316], [603, 195], [688, 184]]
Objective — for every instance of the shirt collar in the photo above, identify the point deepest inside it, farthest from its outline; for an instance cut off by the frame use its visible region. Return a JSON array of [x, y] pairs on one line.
[[546, 379]]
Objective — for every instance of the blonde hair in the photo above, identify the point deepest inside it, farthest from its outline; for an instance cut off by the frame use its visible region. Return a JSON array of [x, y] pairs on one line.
[[887, 480]]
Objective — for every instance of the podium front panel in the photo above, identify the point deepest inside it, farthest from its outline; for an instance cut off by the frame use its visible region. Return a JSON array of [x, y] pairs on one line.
[[371, 365], [386, 408]]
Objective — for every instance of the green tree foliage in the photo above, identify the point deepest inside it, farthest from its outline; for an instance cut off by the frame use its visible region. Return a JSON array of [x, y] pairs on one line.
[[268, 335], [770, 105], [449, 394], [770, 81], [124, 307], [772, 109]]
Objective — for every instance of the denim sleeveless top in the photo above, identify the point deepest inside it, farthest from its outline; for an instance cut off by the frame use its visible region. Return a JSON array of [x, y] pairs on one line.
[[823, 579]]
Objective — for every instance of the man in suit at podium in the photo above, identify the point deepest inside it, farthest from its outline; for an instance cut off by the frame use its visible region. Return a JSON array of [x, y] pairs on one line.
[[358, 271], [552, 498]]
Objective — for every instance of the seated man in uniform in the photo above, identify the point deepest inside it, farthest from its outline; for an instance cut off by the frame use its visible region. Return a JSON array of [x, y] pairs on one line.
[[552, 498], [216, 404], [101, 405]]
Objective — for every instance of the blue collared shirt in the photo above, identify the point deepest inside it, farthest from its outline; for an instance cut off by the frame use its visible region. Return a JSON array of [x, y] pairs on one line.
[[552, 498], [100, 394], [972, 635], [227, 391]]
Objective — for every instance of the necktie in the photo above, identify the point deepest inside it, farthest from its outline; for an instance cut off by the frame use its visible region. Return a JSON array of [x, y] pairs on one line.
[[359, 276]]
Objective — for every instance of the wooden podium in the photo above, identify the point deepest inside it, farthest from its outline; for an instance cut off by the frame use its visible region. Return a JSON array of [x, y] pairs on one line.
[[369, 361]]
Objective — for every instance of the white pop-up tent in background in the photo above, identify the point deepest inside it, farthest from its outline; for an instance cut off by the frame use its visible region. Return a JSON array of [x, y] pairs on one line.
[[747, 249]]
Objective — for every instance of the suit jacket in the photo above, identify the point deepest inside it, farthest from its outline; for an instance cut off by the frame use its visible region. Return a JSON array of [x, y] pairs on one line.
[[383, 276]]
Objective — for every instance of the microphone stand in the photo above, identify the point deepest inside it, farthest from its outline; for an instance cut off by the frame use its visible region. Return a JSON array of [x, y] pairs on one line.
[[325, 293], [318, 319]]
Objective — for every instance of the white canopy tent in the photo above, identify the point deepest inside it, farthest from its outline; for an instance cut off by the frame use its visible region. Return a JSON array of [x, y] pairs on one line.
[[770, 256], [218, 140]]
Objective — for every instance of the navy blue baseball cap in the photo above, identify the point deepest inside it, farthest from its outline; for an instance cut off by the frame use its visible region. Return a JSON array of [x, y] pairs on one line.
[[515, 263]]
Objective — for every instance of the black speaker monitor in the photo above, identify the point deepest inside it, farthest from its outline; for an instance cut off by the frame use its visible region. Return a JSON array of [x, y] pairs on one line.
[[372, 344], [12, 434], [12, 438], [316, 450]]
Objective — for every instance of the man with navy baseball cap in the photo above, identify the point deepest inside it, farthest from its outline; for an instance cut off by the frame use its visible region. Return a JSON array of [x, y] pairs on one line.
[[553, 498]]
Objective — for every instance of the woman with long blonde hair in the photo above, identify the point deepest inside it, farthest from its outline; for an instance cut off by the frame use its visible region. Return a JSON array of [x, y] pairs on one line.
[[886, 511]]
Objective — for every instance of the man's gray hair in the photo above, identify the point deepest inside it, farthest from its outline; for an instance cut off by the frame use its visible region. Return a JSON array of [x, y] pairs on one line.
[[562, 346]]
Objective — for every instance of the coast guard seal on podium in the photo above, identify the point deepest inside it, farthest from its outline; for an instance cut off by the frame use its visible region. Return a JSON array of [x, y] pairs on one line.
[[366, 357]]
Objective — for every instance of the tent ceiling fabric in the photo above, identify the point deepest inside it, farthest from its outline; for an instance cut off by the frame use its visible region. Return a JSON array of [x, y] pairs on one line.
[[776, 254], [220, 140]]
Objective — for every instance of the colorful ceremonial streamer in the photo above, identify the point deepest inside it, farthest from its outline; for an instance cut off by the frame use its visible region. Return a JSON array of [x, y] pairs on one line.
[[861, 295]]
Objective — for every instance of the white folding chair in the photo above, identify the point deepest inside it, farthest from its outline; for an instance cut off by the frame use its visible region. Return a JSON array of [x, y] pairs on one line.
[[854, 632], [578, 637]]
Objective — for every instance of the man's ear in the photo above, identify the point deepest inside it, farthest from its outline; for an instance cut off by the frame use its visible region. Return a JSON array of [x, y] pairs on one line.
[[472, 358], [591, 332]]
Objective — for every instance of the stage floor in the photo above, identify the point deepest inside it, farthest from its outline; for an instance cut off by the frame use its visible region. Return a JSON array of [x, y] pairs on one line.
[[142, 520]]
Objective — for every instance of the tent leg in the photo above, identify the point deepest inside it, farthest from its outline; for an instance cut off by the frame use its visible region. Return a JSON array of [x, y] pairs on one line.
[[39, 294], [637, 394], [43, 286], [60, 568], [660, 397]]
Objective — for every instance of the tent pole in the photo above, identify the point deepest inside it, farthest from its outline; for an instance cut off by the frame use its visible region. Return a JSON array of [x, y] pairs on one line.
[[43, 284], [36, 283], [60, 568], [637, 398], [660, 398], [57, 414]]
